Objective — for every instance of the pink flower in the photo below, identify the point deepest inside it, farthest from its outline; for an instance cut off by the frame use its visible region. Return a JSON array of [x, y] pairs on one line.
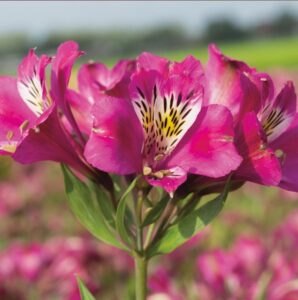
[[162, 131], [30, 128], [160, 284], [216, 270], [264, 121]]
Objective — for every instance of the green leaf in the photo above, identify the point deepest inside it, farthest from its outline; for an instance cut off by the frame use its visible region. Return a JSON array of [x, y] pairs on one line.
[[121, 214], [155, 212], [82, 204], [84, 292], [190, 225], [105, 204]]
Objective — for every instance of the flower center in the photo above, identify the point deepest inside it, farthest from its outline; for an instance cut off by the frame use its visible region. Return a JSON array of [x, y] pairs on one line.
[[165, 119]]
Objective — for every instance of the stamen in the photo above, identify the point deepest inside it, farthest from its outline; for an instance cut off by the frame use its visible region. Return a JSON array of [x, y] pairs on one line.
[[24, 126], [9, 135]]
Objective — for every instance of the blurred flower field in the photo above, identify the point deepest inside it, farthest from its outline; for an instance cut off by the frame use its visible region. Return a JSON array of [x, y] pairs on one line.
[[248, 253]]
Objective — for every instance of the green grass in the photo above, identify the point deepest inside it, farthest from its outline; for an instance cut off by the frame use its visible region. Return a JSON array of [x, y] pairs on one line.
[[262, 54]]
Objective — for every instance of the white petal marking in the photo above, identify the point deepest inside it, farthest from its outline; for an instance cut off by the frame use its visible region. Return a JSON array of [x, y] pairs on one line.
[[165, 120], [31, 92]]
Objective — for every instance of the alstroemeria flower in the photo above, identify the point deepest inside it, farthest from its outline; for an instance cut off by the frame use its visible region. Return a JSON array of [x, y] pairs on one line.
[[163, 131], [23, 101], [264, 121], [30, 128], [94, 81]]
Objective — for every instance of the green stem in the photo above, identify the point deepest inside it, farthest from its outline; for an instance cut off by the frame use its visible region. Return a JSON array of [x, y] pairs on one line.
[[141, 277], [139, 215]]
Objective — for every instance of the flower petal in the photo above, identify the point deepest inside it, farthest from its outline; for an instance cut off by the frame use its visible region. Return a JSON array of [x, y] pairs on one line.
[[223, 85], [259, 164], [167, 105], [207, 148], [286, 146], [149, 61], [62, 64], [95, 77], [81, 110], [115, 144], [278, 115], [32, 83], [48, 142], [15, 115], [170, 182]]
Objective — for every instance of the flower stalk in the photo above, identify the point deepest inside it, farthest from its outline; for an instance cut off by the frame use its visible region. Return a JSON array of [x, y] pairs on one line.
[[141, 264]]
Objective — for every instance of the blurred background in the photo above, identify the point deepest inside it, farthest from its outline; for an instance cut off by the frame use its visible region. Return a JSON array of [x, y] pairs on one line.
[[249, 252]]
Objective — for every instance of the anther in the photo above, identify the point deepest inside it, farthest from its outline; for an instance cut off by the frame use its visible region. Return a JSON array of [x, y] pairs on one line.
[[158, 174], [147, 170], [279, 153]]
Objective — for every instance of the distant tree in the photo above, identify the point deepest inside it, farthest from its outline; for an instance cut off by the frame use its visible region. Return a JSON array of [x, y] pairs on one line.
[[285, 24], [224, 30]]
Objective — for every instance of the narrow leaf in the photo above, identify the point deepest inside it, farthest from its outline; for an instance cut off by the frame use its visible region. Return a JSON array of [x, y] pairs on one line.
[[81, 202], [84, 292], [121, 212], [156, 212], [105, 205], [190, 225]]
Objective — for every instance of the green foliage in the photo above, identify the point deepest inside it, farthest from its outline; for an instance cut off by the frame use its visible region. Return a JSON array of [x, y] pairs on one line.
[[155, 212], [84, 292], [82, 204], [190, 225], [121, 215]]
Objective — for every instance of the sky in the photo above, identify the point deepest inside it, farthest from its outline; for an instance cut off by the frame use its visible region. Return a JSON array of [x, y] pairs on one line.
[[38, 18]]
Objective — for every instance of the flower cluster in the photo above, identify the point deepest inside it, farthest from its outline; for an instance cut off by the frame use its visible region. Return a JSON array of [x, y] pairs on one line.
[[255, 266], [178, 124]]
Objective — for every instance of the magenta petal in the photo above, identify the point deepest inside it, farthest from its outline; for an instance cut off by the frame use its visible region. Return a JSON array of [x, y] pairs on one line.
[[143, 83], [171, 182], [62, 64], [286, 144], [48, 142], [34, 67], [259, 162], [184, 78], [223, 85], [115, 143], [81, 110], [149, 61], [208, 148], [251, 99], [284, 106], [95, 77], [15, 116]]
